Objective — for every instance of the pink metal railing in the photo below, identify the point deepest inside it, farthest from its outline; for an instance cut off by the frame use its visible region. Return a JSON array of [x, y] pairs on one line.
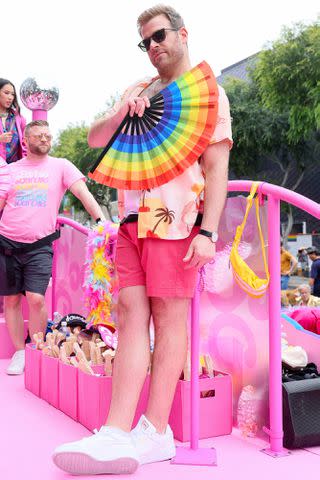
[[274, 195]]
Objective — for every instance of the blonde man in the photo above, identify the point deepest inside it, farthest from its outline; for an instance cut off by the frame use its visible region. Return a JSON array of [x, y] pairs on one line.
[[157, 276], [31, 191]]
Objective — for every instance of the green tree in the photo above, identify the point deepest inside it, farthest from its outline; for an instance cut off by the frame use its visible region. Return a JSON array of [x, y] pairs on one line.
[[288, 75], [72, 144], [257, 131], [261, 136]]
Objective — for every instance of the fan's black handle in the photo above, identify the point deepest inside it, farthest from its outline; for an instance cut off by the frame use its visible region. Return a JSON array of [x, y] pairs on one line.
[[127, 118], [112, 139]]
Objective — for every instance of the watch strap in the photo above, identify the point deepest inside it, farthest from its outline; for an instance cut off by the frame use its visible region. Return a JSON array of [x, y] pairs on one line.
[[212, 235]]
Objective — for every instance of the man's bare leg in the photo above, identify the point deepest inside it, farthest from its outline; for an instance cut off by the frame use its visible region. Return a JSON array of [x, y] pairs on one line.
[[170, 323], [38, 315], [14, 320], [132, 357]]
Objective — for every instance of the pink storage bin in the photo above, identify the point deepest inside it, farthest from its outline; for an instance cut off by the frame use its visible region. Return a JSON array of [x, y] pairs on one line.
[[32, 372], [98, 369], [6, 347], [49, 380], [215, 411], [94, 397], [68, 390]]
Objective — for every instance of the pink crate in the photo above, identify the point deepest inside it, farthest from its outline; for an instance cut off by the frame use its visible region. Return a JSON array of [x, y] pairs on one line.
[[49, 380], [68, 390], [215, 412], [94, 397], [6, 347], [32, 371], [98, 369]]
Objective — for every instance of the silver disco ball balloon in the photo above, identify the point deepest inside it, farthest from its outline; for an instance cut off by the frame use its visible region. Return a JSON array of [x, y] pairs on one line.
[[38, 98]]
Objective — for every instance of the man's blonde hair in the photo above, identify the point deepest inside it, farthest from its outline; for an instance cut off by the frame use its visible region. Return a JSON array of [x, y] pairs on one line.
[[175, 19], [35, 123]]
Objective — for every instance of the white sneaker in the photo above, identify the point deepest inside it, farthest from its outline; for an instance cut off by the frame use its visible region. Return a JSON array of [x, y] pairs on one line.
[[151, 445], [109, 450], [16, 366]]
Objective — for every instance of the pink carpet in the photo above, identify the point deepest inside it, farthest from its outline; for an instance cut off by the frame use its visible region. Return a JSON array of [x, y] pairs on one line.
[[30, 429]]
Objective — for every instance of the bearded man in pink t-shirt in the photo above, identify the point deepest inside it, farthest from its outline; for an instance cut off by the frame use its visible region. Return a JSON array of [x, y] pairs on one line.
[[157, 268], [31, 191]]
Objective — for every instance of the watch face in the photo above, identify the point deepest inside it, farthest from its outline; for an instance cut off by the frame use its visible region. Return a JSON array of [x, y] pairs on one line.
[[214, 237]]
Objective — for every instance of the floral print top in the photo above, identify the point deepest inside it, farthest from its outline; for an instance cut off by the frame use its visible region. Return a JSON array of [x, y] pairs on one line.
[[170, 211]]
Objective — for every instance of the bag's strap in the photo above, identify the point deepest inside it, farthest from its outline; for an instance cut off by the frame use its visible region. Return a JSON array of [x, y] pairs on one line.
[[263, 248], [240, 228], [8, 252], [28, 247]]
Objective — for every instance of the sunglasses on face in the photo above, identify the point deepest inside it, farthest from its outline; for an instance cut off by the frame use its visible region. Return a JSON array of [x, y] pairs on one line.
[[158, 37], [40, 135]]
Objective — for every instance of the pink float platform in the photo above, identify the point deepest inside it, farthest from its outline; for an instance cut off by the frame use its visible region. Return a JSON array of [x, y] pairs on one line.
[[31, 429]]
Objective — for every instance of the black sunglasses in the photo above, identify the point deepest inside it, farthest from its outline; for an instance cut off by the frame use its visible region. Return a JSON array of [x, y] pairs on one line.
[[158, 37]]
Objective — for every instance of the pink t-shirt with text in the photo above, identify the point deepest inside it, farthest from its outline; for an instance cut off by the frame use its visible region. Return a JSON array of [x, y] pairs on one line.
[[33, 191]]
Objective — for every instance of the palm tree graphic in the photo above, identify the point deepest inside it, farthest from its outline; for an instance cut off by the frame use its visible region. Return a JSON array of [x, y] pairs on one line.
[[165, 215], [143, 208]]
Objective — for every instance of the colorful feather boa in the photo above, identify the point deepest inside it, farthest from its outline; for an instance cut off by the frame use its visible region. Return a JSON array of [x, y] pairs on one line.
[[100, 282]]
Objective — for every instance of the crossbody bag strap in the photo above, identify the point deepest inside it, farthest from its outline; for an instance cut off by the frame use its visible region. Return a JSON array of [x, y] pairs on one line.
[[29, 247], [8, 252], [240, 228], [263, 247]]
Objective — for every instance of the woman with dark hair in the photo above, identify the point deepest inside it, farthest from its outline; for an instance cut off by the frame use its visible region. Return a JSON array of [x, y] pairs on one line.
[[12, 124]]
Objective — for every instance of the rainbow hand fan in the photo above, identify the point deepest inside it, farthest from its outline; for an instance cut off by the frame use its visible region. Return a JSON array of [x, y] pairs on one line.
[[149, 151]]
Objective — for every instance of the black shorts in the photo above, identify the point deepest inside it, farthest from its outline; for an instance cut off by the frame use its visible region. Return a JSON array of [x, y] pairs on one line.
[[32, 270]]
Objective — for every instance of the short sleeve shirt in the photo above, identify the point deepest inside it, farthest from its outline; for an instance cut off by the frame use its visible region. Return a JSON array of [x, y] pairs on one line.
[[286, 259], [33, 192], [170, 211]]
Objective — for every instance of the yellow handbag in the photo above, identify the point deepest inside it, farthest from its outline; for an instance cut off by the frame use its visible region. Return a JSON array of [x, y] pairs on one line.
[[243, 274]]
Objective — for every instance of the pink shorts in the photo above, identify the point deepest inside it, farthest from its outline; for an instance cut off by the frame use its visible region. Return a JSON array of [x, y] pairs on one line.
[[155, 263]]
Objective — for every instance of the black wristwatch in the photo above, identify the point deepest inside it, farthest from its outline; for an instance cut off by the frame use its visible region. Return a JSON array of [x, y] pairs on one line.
[[212, 235], [98, 220]]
